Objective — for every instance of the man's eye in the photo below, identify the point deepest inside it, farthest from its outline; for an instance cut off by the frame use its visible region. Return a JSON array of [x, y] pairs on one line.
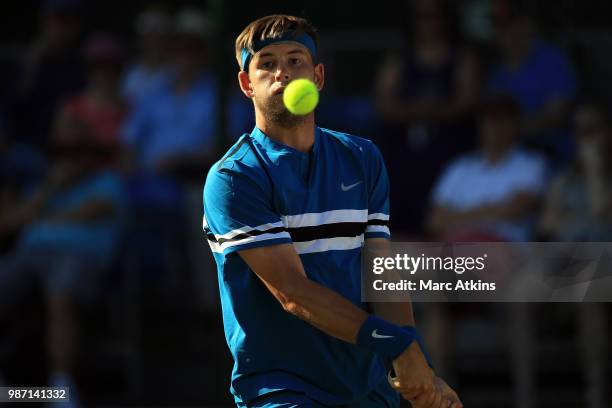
[[296, 61], [267, 64]]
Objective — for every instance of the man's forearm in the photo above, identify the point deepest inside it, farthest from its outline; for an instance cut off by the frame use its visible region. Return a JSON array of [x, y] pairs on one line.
[[336, 316], [517, 207], [281, 271], [399, 313], [325, 309]]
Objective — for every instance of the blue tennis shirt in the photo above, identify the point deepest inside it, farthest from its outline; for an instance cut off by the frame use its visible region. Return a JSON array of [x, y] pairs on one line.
[[324, 203]]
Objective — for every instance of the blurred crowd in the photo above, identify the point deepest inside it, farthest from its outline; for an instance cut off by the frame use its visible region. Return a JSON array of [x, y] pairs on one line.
[[105, 142], [505, 146]]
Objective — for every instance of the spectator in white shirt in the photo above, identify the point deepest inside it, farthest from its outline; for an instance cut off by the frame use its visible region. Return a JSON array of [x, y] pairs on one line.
[[491, 194]]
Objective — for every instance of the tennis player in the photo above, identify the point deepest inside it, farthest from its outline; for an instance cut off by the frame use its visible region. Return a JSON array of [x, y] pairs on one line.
[[286, 212]]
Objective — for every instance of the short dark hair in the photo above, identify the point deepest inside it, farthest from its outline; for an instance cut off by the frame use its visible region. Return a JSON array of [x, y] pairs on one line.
[[270, 27]]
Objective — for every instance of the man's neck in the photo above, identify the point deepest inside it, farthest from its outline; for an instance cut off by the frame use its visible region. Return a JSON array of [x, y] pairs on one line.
[[300, 137], [494, 156]]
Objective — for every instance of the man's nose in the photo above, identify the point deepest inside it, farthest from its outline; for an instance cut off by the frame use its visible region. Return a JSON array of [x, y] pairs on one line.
[[282, 73]]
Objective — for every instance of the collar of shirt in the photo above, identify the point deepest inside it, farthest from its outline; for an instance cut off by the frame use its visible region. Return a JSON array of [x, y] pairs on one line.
[[272, 145], [280, 154], [503, 161]]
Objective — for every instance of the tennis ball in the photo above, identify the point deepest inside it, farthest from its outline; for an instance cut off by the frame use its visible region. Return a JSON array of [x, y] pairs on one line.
[[301, 96]]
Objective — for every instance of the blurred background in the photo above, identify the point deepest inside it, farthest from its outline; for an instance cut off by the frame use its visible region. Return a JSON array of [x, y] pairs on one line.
[[493, 117]]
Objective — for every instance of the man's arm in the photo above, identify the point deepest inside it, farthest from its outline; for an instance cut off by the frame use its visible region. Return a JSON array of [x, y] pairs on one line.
[[281, 270], [399, 313], [279, 267], [442, 218]]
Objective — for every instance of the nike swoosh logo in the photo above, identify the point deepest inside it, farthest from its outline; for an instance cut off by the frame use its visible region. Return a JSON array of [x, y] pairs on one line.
[[347, 188], [380, 336]]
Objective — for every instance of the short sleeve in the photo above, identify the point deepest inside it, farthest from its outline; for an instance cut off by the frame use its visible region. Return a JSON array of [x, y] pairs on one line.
[[535, 176], [378, 202], [442, 192], [238, 213]]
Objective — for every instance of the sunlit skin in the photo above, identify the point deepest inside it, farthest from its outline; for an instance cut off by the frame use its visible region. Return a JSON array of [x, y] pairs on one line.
[[270, 71]]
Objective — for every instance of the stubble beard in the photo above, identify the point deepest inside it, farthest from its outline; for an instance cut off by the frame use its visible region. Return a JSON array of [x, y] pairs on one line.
[[275, 112]]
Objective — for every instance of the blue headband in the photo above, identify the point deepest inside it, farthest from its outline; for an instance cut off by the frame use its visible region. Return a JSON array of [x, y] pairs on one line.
[[304, 39]]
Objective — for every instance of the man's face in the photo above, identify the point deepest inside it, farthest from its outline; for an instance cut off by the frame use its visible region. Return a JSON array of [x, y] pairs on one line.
[[270, 71], [515, 36], [498, 132]]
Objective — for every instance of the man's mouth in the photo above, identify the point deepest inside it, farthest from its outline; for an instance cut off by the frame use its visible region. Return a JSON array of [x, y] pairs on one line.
[[280, 89]]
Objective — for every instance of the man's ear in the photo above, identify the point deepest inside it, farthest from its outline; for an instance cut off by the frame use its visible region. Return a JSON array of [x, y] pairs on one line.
[[245, 84], [319, 76]]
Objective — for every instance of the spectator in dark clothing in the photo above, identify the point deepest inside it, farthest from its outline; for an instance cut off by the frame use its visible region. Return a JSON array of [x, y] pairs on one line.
[[7, 193], [539, 76], [424, 98], [69, 234], [52, 70], [21, 168], [579, 203]]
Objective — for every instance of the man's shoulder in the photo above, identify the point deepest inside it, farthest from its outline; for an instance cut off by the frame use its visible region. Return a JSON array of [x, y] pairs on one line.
[[522, 157], [236, 153], [353, 142], [239, 163]]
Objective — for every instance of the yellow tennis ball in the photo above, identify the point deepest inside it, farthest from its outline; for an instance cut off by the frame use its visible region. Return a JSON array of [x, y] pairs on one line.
[[301, 96]]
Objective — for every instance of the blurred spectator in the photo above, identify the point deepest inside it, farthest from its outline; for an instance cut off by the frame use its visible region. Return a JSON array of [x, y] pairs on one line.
[[538, 75], [3, 148], [71, 227], [579, 203], [52, 70], [150, 71], [99, 111], [424, 97], [7, 196], [476, 23], [173, 130], [492, 193], [578, 207], [20, 169]]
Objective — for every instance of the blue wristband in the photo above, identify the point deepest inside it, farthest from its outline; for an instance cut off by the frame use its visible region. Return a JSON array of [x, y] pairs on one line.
[[384, 338], [414, 332]]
